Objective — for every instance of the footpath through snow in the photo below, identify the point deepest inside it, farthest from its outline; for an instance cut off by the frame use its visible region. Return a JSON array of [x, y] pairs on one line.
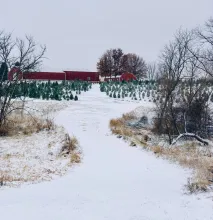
[[113, 182]]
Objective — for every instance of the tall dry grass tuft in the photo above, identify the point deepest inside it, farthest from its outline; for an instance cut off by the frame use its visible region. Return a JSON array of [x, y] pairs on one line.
[[5, 179], [26, 125], [70, 148], [70, 145], [128, 117], [75, 158], [115, 123], [118, 127], [4, 131]]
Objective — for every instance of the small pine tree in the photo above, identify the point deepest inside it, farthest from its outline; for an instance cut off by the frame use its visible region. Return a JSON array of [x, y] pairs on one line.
[[3, 71], [148, 93], [76, 98], [43, 95], [143, 95]]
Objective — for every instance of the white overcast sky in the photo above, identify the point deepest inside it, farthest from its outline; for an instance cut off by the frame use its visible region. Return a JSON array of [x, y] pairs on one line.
[[78, 32]]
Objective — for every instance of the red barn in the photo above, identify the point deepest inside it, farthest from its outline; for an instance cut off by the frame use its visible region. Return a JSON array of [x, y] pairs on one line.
[[85, 76], [65, 75], [14, 74], [124, 77], [127, 77], [44, 76]]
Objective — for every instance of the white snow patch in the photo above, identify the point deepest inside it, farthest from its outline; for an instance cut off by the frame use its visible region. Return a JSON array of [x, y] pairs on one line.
[[34, 158]]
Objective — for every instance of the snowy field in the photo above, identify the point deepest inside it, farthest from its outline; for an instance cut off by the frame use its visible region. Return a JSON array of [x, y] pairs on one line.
[[113, 182]]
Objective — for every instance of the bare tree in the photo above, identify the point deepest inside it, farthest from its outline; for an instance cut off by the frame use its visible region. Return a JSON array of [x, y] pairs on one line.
[[109, 63], [117, 64], [26, 56], [204, 50], [136, 65], [152, 71], [114, 62], [172, 66], [183, 107]]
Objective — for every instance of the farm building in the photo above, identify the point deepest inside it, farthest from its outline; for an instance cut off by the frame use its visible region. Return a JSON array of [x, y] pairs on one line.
[[127, 77], [15, 73], [65, 75], [124, 77]]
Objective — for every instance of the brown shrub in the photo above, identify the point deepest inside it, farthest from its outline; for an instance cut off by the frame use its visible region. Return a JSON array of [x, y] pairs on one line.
[[46, 124], [199, 186], [157, 149], [115, 123], [5, 179], [4, 131], [75, 158], [26, 125], [70, 145], [128, 117]]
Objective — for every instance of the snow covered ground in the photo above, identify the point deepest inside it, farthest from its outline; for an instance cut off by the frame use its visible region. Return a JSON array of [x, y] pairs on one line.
[[33, 157], [114, 181]]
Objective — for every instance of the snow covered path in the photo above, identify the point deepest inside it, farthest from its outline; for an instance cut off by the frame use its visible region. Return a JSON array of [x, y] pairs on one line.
[[113, 182]]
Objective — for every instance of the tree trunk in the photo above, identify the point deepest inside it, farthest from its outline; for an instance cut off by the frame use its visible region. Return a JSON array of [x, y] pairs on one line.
[[190, 135]]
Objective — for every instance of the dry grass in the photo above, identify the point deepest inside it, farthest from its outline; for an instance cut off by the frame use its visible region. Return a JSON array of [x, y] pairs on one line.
[[157, 149], [75, 158], [115, 123], [70, 148], [189, 154], [193, 187], [5, 179], [4, 131], [128, 117], [26, 125], [118, 127]]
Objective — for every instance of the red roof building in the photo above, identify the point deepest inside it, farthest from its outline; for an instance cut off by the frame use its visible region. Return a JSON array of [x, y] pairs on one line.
[[127, 77], [65, 75]]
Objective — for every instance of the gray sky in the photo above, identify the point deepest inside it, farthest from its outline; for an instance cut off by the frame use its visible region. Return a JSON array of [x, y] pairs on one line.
[[78, 32]]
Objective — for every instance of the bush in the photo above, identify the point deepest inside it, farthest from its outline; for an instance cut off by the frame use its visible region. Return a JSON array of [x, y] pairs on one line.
[[76, 98]]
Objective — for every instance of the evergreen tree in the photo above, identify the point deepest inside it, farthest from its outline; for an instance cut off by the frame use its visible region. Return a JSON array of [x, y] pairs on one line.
[[3, 71], [76, 98]]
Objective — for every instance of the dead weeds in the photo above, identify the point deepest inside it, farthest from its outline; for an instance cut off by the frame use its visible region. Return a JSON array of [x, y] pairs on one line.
[[71, 148], [5, 179], [17, 124]]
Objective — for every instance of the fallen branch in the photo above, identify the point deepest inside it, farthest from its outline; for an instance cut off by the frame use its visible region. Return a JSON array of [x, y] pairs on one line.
[[190, 135]]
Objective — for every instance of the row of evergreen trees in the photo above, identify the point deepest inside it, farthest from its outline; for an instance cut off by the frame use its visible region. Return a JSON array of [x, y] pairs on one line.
[[68, 90]]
